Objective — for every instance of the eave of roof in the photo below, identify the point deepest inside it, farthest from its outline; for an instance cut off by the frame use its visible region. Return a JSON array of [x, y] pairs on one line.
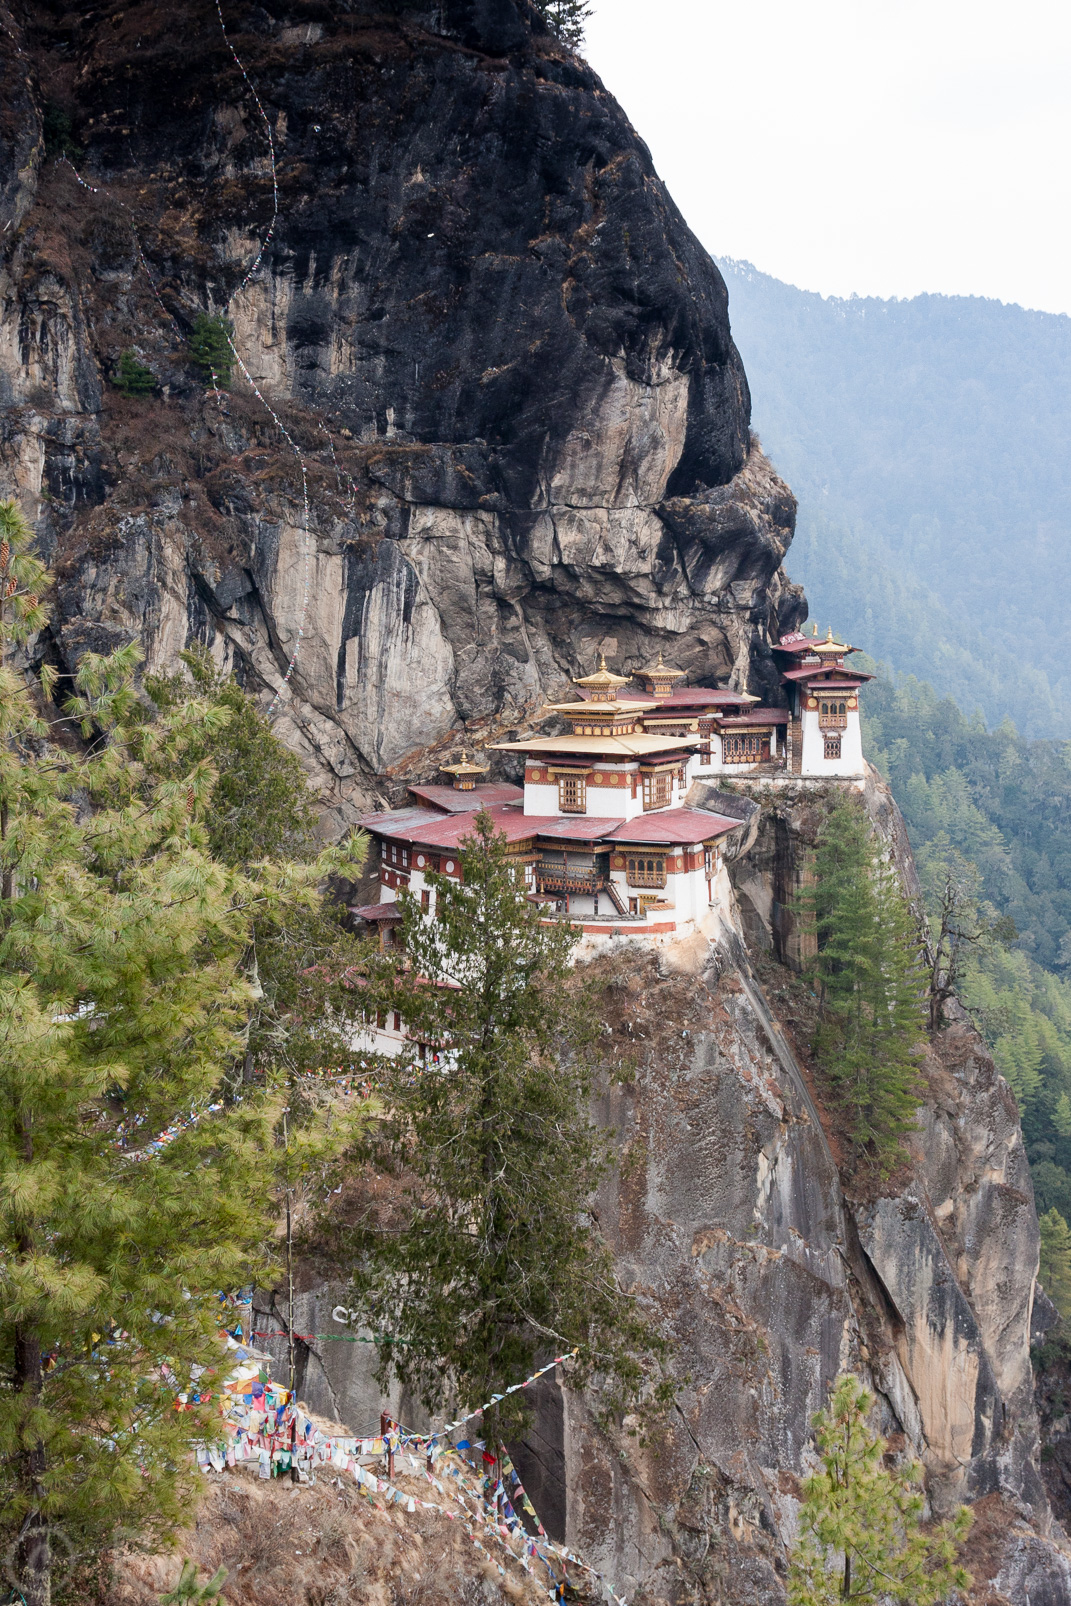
[[596, 746], [755, 716], [821, 671]]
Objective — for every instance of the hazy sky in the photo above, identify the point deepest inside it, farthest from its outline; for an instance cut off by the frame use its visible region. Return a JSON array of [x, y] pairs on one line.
[[860, 145]]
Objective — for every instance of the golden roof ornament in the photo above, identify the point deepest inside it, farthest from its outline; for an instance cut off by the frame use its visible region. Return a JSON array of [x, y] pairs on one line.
[[603, 683], [465, 773], [836, 649], [659, 674]]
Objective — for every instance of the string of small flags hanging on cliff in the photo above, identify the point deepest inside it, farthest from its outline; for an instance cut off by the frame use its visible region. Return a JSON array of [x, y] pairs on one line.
[[250, 381], [263, 1423], [271, 151]]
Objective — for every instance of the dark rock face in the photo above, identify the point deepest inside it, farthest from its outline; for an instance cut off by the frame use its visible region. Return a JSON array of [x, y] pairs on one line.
[[502, 360]]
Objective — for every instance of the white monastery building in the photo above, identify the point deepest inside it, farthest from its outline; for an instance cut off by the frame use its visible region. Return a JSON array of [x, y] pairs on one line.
[[602, 831]]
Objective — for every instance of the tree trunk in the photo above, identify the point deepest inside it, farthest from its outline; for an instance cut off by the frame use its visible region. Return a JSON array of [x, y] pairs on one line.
[[33, 1556]]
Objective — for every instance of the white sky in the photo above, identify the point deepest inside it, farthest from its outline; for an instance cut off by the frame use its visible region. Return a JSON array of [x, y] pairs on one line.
[[879, 146]]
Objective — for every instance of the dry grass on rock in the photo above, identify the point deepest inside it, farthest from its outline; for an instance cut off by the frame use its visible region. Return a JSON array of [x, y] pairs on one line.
[[323, 1545]]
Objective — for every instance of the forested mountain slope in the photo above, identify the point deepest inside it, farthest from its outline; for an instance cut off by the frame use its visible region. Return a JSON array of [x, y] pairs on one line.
[[926, 440], [1005, 803]]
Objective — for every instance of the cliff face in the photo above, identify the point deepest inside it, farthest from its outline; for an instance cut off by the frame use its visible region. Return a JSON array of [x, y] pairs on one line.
[[489, 353], [503, 363], [771, 1268]]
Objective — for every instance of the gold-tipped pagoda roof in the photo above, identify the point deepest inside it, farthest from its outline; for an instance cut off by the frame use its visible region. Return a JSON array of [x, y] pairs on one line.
[[603, 682], [837, 648], [659, 671], [467, 766]]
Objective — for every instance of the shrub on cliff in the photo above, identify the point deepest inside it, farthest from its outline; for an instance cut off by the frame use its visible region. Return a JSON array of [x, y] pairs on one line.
[[566, 19], [871, 1022], [493, 1261], [210, 350], [861, 1535], [132, 378]]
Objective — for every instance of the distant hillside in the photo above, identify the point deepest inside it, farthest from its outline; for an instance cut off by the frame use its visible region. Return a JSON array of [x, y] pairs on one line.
[[928, 443]]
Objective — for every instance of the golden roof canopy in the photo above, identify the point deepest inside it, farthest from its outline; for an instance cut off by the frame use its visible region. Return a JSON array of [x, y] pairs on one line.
[[603, 684], [659, 671], [837, 648], [464, 771]]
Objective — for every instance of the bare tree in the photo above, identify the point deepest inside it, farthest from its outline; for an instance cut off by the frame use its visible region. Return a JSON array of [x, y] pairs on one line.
[[961, 922]]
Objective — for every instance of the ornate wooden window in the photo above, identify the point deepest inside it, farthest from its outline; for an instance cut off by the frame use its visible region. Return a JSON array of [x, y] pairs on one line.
[[646, 871], [749, 747], [832, 747], [657, 790], [832, 715], [572, 794]]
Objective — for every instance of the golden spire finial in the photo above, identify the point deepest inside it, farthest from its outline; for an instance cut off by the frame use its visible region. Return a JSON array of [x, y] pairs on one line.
[[602, 663], [829, 633]]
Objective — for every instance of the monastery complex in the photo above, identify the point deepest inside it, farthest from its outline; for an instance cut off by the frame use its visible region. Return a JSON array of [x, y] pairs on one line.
[[610, 827]]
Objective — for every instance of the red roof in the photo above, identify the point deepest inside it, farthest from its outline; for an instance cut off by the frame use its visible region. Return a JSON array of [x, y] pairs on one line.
[[673, 826], [816, 671], [797, 643], [756, 716], [378, 911], [424, 829], [577, 827], [430, 830], [450, 801]]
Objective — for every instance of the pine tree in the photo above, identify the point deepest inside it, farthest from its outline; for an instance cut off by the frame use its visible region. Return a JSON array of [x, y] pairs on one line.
[[124, 1002], [861, 1537], [871, 1024], [300, 957], [1054, 1272], [495, 1260], [132, 377], [566, 19], [211, 351]]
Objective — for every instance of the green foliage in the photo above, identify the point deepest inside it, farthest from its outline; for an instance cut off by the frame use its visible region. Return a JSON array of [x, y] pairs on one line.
[[870, 1027], [59, 132], [305, 1009], [188, 1590], [23, 579], [861, 1535], [125, 1000], [132, 377], [494, 1261], [1054, 1272], [924, 439], [261, 805], [1005, 803], [210, 349], [566, 19]]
